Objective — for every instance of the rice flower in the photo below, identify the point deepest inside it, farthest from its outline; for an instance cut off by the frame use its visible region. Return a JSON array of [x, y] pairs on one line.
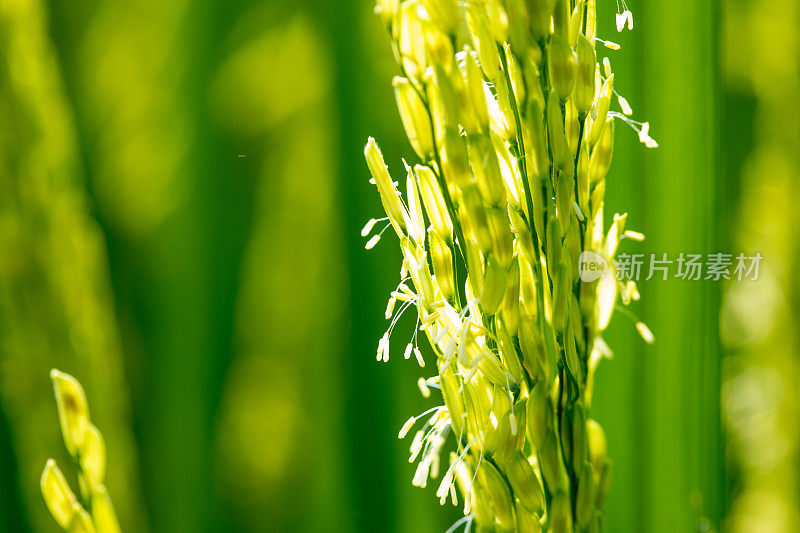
[[509, 112], [92, 512]]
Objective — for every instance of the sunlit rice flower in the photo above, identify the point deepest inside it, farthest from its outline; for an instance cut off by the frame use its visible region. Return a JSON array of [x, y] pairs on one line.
[[508, 111], [92, 512]]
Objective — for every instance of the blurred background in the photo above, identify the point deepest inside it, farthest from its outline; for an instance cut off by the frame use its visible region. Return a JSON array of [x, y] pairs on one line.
[[181, 194]]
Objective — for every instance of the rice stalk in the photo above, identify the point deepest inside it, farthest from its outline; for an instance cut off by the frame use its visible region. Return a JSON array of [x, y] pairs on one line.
[[509, 114], [760, 400], [56, 306]]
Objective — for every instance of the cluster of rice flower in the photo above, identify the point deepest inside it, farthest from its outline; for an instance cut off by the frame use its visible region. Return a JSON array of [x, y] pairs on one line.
[[93, 512], [509, 112]]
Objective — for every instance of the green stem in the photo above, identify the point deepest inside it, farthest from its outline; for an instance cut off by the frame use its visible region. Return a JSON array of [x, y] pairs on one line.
[[529, 201]]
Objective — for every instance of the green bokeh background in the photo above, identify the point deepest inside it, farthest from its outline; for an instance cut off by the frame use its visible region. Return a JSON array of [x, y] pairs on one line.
[[182, 193]]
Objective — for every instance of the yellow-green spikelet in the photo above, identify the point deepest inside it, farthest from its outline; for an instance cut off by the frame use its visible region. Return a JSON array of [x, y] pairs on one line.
[[92, 512], [506, 107]]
